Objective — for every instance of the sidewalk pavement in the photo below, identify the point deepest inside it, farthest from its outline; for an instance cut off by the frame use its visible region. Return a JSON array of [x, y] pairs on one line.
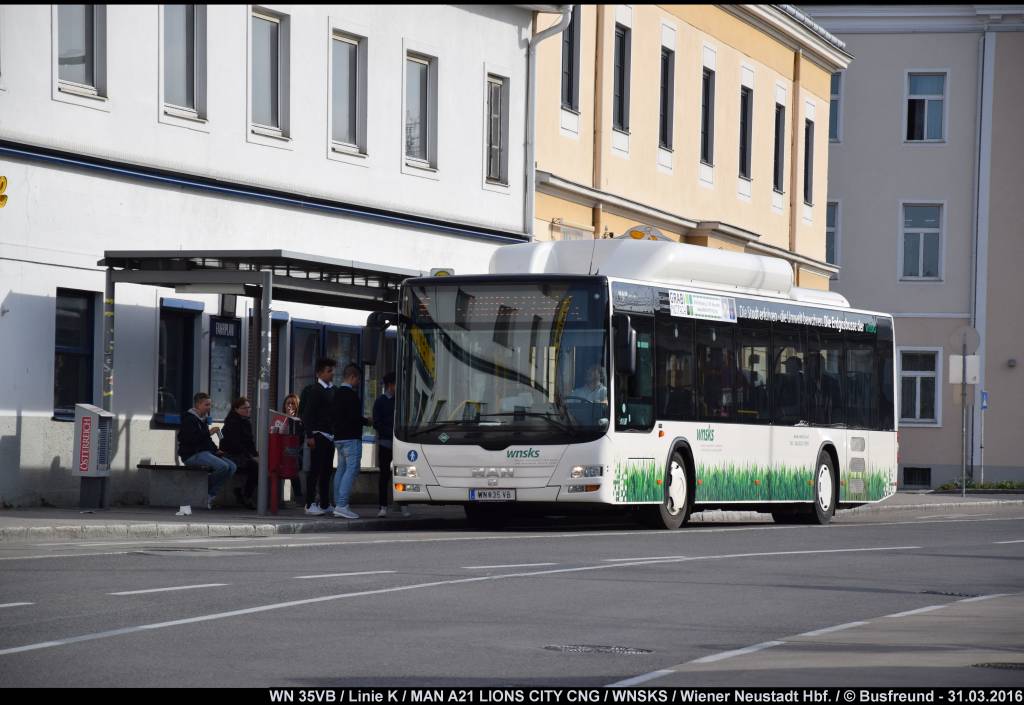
[[49, 523]]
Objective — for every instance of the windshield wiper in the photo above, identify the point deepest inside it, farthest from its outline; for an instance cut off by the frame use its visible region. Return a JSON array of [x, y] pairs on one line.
[[546, 415], [440, 425]]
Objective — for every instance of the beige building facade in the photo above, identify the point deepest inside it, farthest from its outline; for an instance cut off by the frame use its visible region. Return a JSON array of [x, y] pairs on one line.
[[924, 193], [708, 123]]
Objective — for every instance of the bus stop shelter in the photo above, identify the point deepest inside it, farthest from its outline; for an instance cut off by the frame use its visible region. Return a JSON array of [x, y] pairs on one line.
[[264, 275]]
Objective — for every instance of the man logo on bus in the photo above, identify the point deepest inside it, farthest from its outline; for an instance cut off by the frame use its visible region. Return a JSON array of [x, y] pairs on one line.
[[528, 453], [705, 434]]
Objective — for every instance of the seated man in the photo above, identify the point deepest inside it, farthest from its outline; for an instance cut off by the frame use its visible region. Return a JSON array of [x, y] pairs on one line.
[[195, 447], [594, 390], [239, 445]]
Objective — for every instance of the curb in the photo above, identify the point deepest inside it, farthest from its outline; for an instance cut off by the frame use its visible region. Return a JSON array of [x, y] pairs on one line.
[[154, 530]]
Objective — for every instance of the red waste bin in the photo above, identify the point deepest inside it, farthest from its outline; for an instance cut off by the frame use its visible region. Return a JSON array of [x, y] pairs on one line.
[[284, 453]]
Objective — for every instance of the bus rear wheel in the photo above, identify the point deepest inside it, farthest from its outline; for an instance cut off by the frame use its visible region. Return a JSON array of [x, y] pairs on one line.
[[674, 509], [824, 492]]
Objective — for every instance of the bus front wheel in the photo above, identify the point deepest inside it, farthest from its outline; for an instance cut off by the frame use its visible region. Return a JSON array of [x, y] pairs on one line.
[[674, 509]]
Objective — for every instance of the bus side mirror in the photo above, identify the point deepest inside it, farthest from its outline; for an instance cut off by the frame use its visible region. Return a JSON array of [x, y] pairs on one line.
[[624, 344]]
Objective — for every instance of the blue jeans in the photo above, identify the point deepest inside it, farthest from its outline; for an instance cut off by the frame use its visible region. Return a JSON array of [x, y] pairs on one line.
[[222, 469], [349, 454]]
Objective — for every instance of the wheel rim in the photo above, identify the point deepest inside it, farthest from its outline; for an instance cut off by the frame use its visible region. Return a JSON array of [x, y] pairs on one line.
[[824, 487], [675, 501]]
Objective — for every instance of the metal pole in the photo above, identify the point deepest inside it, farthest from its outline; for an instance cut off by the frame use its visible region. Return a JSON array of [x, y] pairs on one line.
[[981, 481], [963, 416], [108, 342], [263, 391]]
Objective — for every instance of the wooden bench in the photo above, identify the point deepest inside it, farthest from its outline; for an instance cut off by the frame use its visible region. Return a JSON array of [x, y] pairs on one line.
[[175, 485]]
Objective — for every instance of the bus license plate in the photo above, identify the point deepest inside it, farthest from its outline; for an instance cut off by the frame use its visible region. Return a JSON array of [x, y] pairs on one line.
[[492, 495]]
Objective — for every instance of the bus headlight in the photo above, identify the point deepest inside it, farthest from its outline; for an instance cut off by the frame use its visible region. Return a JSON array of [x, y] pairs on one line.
[[579, 471], [406, 471], [582, 488], [402, 487]]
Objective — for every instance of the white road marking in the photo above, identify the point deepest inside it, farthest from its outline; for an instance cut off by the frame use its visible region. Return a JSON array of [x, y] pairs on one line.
[[680, 535], [738, 652], [402, 588], [515, 565], [637, 680], [954, 516], [641, 558], [169, 589], [16, 604], [342, 575], [922, 610], [1017, 541], [985, 597], [829, 630]]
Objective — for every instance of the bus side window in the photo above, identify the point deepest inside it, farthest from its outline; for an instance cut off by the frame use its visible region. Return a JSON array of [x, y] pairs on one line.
[[634, 394], [675, 368], [860, 389], [717, 371], [885, 375], [787, 375], [824, 378]]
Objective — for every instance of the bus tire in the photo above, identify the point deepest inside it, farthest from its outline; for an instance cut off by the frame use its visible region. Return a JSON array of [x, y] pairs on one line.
[[824, 505], [674, 511]]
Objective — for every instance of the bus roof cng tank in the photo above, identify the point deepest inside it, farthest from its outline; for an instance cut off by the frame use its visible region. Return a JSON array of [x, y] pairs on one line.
[[671, 263]]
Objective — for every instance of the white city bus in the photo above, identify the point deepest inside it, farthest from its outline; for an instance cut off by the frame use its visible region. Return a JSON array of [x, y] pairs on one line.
[[638, 373]]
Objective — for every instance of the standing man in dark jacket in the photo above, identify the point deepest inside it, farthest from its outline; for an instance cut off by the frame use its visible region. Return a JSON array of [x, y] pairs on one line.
[[384, 424], [317, 420], [348, 439], [240, 446], [195, 447]]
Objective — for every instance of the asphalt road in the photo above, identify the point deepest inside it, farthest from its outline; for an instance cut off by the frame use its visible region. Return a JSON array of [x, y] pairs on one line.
[[922, 598]]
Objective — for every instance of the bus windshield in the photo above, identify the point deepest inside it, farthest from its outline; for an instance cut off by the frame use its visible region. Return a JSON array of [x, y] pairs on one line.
[[500, 361]]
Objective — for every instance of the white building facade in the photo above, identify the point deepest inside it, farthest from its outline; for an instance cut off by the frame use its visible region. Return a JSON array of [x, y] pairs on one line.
[[925, 186], [383, 134]]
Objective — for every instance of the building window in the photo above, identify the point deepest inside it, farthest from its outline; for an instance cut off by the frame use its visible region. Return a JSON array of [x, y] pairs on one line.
[[620, 100], [175, 362], [180, 56], [809, 162], [344, 90], [269, 109], [77, 44], [73, 351], [922, 241], [832, 233], [925, 105], [571, 62], [780, 147], [746, 118], [707, 117], [919, 386], [666, 106], [421, 110], [497, 130], [81, 49], [833, 107]]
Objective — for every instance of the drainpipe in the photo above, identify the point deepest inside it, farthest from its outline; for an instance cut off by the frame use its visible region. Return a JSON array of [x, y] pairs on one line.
[[531, 80], [795, 197], [599, 118]]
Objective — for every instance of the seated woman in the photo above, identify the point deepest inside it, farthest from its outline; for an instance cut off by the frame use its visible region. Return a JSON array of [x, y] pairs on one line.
[[240, 446]]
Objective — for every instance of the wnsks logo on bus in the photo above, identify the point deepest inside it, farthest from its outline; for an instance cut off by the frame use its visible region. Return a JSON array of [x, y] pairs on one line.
[[706, 434], [528, 453]]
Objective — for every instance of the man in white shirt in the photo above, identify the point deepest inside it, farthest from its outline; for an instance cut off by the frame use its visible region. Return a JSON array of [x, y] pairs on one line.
[[594, 390]]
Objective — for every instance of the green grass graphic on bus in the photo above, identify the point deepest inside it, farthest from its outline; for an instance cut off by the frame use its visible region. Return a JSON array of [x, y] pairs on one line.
[[638, 482], [754, 483]]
